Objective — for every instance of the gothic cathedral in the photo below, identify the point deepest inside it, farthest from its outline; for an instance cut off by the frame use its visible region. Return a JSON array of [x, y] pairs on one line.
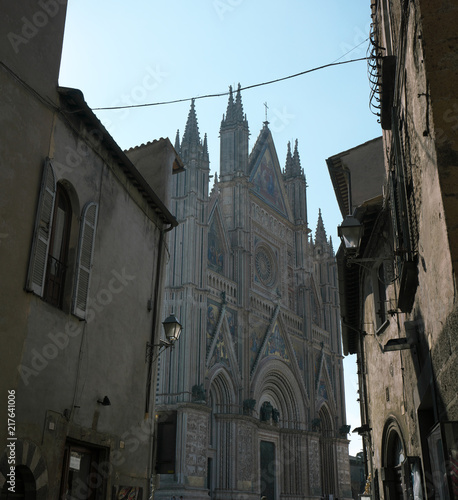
[[250, 401]]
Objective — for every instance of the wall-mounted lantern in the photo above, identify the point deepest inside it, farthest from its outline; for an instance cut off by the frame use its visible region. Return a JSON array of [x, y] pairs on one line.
[[172, 329], [350, 232]]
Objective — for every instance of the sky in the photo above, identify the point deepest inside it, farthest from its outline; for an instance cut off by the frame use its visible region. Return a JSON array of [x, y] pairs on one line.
[[139, 52]]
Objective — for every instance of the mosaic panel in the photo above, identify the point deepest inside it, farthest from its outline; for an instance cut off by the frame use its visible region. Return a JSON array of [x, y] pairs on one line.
[[266, 183], [220, 354], [276, 345]]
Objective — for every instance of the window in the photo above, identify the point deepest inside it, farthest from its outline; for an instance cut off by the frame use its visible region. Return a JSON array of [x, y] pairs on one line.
[[58, 248], [49, 266]]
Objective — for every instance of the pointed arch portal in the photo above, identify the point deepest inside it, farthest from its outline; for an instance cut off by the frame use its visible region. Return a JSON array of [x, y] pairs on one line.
[[327, 455]]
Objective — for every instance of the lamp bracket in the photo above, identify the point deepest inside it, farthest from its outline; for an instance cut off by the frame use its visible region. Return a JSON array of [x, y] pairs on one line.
[[163, 345]]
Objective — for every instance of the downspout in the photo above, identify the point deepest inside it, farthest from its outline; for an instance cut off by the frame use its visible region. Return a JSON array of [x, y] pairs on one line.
[[151, 357], [367, 445], [367, 438]]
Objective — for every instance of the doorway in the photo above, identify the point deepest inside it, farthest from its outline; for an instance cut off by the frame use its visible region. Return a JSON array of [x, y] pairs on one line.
[[268, 470], [24, 488], [80, 475], [394, 458]]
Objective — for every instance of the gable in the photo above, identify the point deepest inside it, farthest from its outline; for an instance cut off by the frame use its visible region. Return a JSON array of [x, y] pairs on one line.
[[276, 345], [221, 336], [324, 386], [267, 180], [220, 352]]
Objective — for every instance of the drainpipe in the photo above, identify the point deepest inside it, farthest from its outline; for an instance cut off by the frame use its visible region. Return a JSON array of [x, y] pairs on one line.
[[367, 457], [155, 309]]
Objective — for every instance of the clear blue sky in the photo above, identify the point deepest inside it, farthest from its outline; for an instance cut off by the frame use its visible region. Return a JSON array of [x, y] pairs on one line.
[[123, 53]]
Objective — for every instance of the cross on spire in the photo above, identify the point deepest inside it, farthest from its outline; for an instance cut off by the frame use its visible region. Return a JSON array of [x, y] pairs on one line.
[[267, 107]]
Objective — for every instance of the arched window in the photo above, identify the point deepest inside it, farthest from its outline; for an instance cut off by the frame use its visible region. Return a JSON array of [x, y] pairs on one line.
[[49, 265], [58, 248]]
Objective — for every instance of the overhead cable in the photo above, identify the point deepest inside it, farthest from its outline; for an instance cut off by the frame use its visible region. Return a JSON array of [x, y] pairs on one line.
[[221, 94]]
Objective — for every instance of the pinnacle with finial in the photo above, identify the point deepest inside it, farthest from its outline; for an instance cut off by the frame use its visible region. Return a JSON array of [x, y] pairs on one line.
[[234, 113], [297, 169], [289, 161], [177, 141], [191, 131], [320, 233], [238, 105], [230, 106], [205, 146]]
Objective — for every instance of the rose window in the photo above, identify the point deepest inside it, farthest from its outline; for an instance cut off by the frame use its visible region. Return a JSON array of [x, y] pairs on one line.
[[265, 266]]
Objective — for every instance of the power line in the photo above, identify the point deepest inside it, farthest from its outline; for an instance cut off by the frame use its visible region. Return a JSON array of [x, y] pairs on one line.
[[352, 49], [241, 88]]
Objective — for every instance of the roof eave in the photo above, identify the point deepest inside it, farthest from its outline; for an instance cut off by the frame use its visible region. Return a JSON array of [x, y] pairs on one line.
[[75, 100]]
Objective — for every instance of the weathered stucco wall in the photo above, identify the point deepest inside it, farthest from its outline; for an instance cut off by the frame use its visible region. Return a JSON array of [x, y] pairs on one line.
[[22, 152], [58, 365], [68, 364]]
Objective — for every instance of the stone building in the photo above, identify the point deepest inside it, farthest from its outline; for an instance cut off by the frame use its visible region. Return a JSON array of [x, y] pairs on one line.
[[398, 283], [82, 250], [251, 401]]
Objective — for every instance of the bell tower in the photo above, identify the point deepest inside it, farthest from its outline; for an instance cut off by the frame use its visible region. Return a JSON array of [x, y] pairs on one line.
[[190, 197]]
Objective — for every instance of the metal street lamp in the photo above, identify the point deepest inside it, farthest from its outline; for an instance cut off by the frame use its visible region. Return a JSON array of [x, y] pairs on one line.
[[351, 232], [172, 328]]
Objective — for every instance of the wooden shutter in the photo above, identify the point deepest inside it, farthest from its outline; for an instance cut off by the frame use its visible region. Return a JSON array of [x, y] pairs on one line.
[[84, 260], [42, 232]]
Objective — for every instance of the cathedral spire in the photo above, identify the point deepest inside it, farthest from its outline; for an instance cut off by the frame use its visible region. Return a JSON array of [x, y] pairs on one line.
[[297, 169], [230, 111], [234, 112], [177, 142], [293, 167], [191, 132], [320, 233], [205, 148], [238, 108], [289, 162]]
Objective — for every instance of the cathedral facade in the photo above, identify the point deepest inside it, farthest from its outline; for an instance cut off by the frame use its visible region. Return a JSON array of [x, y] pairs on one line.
[[250, 401]]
